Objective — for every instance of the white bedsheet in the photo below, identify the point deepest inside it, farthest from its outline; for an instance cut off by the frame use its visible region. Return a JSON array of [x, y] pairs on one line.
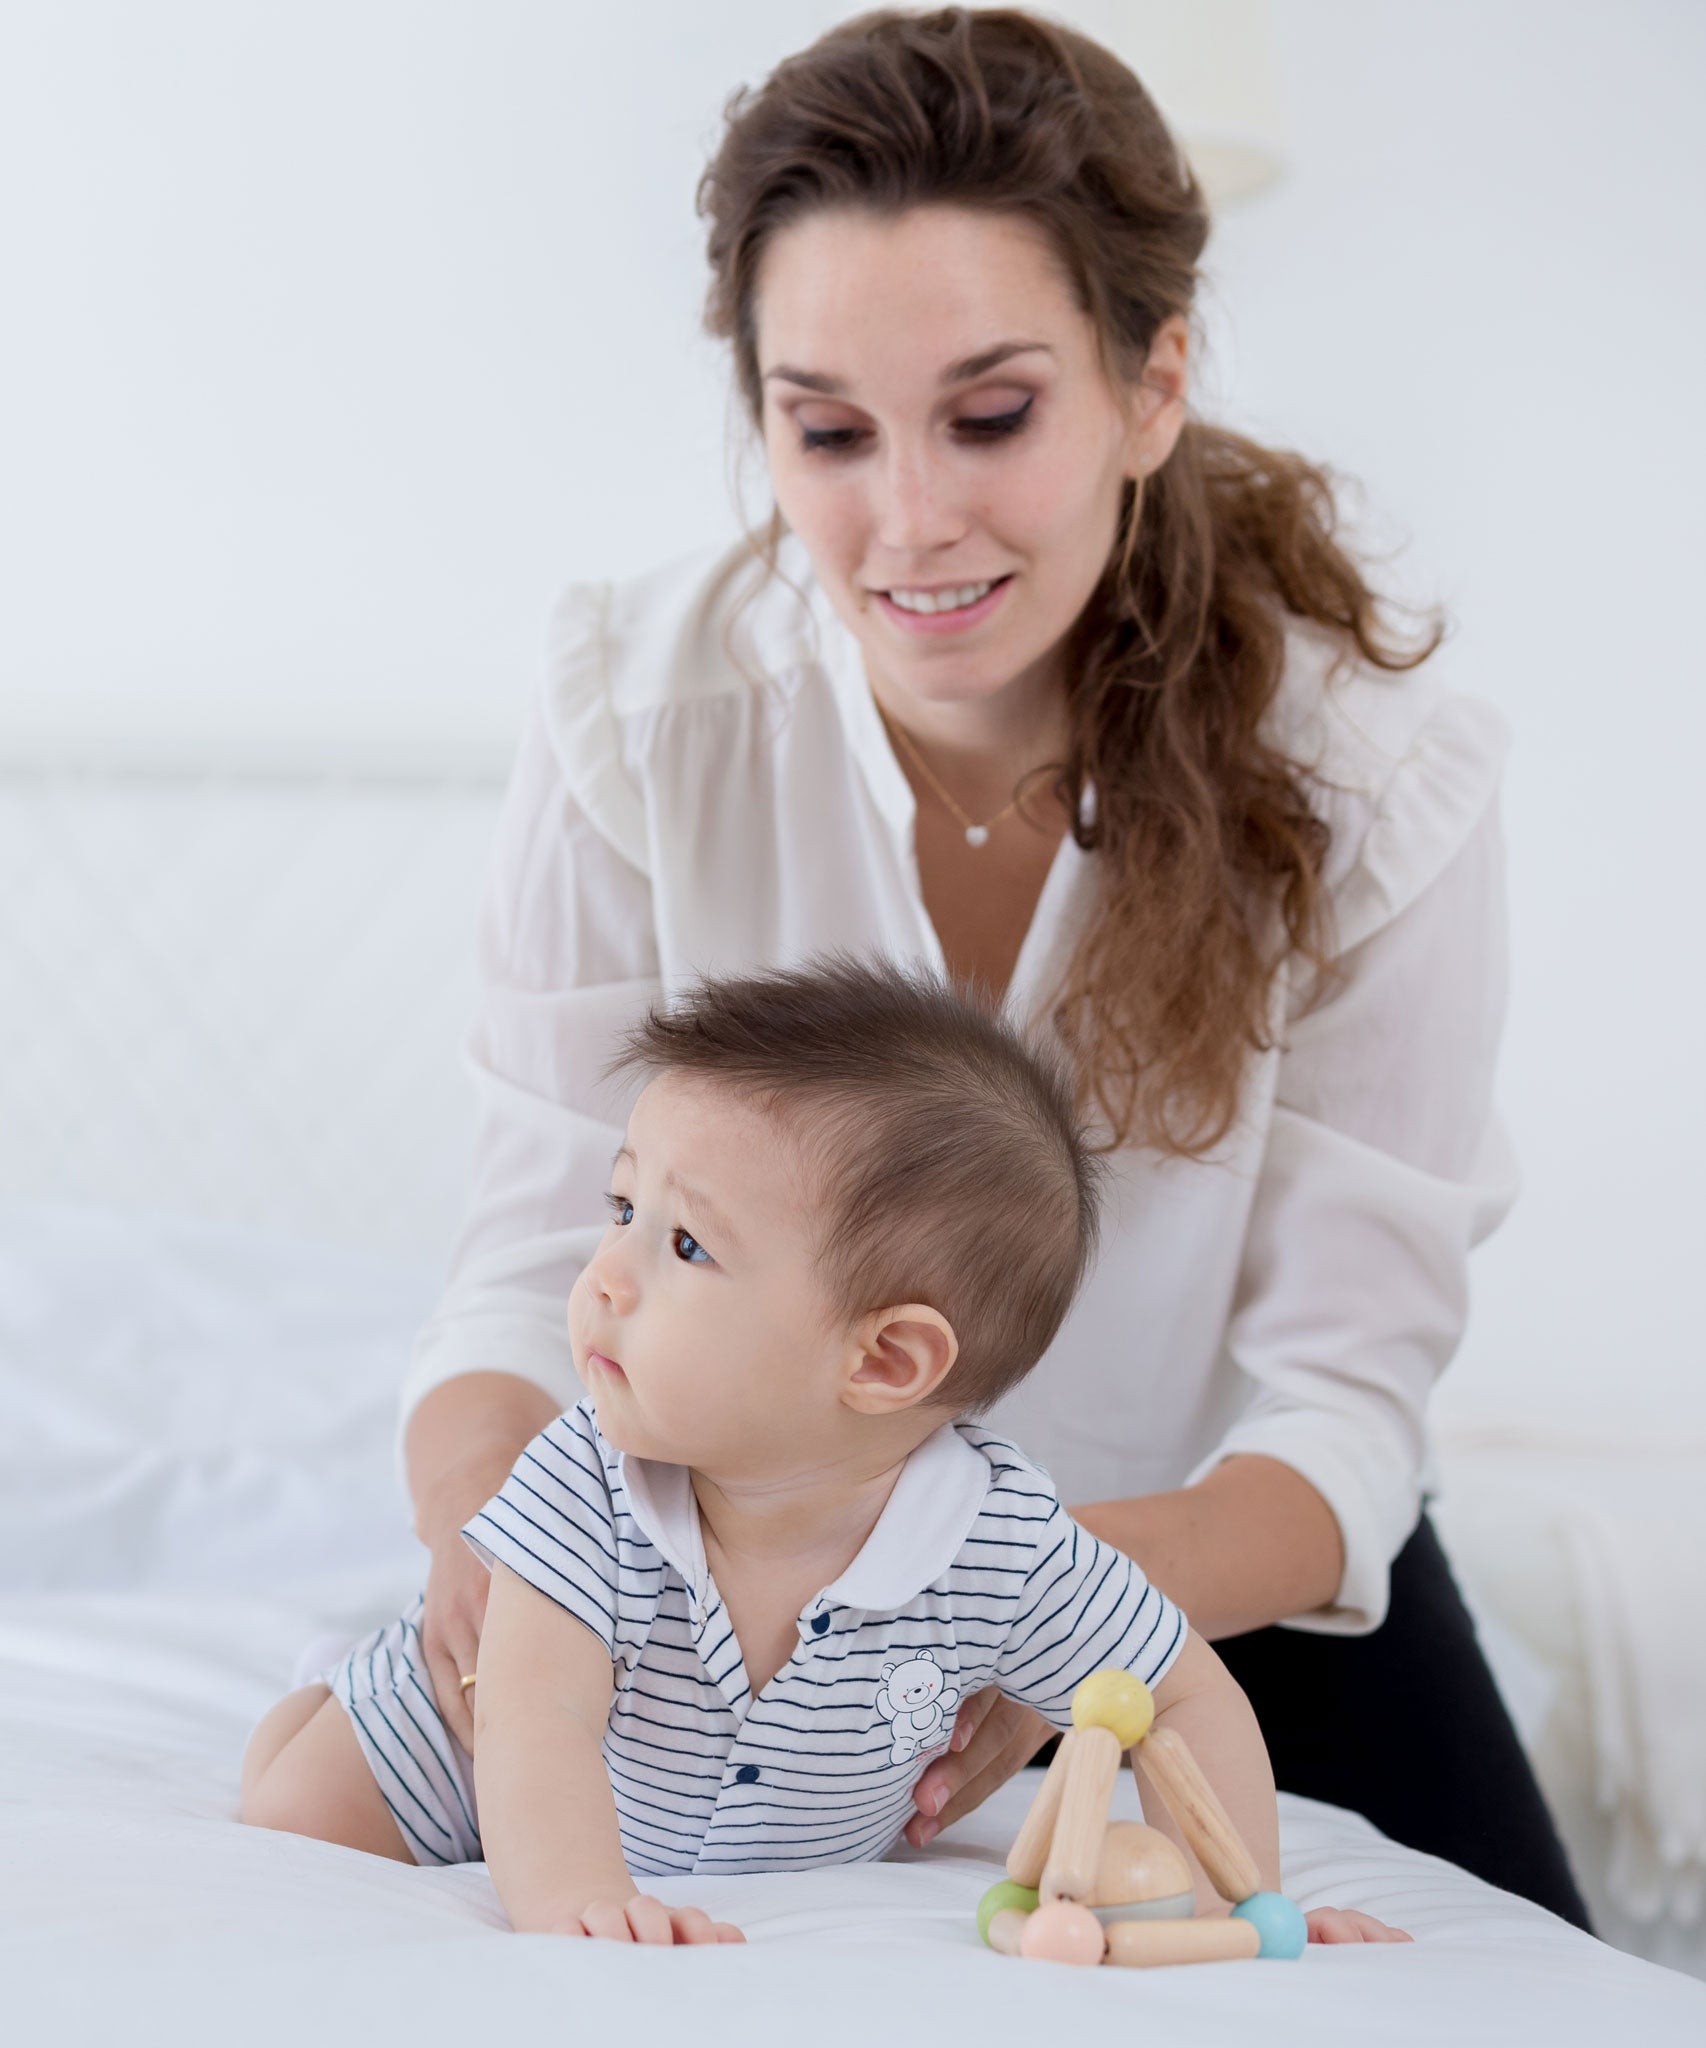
[[135, 1909], [195, 1477]]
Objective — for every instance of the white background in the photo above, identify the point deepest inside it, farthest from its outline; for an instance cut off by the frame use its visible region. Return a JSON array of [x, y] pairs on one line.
[[336, 336]]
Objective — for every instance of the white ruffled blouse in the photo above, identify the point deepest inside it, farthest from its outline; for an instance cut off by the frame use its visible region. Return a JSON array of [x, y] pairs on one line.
[[704, 784]]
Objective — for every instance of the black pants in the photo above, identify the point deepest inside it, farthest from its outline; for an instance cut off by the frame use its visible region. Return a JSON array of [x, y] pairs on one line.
[[1407, 1727]]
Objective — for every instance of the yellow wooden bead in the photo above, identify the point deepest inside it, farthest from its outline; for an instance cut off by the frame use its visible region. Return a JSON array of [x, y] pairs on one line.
[[1115, 1699]]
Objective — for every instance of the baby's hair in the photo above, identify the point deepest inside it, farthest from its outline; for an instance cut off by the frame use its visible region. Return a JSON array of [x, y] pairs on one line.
[[946, 1157]]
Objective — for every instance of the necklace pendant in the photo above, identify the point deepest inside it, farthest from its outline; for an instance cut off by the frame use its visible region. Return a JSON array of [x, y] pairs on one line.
[[977, 835]]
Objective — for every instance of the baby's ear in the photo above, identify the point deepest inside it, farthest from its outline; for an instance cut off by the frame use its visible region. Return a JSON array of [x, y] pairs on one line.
[[896, 1358]]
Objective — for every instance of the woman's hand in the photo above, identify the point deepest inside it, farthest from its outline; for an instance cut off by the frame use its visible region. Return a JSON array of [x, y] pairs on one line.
[[456, 1590], [993, 1737], [1339, 1923], [644, 1919], [463, 1438]]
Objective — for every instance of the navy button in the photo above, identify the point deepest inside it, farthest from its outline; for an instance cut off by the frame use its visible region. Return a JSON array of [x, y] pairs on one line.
[[747, 1775], [819, 1623]]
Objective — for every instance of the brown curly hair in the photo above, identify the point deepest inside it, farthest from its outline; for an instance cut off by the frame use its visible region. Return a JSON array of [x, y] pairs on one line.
[[1211, 852]]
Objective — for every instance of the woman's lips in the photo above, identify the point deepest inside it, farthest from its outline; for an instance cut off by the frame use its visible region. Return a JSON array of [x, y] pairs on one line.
[[944, 622]]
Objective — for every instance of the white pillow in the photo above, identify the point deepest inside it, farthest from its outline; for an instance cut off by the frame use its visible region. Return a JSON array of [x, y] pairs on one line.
[[187, 1404]]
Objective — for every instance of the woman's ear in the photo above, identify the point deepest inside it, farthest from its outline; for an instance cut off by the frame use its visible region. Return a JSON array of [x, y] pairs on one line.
[[1156, 414], [897, 1358]]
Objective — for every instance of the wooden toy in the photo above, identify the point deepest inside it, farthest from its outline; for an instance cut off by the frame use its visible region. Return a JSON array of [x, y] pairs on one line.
[[1075, 1846], [1140, 1875], [1083, 1890], [1172, 1770], [1003, 1898], [1060, 1932]]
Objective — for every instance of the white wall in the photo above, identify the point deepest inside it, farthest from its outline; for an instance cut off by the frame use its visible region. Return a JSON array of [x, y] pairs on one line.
[[1481, 290], [337, 334]]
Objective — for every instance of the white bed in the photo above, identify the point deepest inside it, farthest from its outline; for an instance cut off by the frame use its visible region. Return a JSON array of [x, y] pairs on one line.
[[236, 995], [198, 1476]]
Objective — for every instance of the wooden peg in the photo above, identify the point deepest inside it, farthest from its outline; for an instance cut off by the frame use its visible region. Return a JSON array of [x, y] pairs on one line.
[[1203, 1821], [1029, 1853], [1007, 1930], [1086, 1790], [1142, 1944]]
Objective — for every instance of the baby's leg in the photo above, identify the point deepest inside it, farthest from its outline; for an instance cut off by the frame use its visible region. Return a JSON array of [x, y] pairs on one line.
[[276, 1727], [304, 1773]]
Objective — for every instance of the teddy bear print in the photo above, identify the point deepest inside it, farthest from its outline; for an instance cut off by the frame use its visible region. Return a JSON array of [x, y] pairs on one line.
[[917, 1698]]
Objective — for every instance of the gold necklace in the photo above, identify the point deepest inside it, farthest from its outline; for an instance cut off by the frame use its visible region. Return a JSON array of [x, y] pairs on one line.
[[976, 834]]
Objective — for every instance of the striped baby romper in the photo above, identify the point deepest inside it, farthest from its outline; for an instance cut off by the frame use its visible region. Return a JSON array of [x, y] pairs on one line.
[[974, 1575]]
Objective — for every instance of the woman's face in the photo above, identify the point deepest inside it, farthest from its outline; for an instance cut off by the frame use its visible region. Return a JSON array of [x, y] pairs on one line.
[[915, 473]]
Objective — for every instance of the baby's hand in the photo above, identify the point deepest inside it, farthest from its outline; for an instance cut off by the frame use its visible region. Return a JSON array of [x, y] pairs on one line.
[[1339, 1923], [645, 1919]]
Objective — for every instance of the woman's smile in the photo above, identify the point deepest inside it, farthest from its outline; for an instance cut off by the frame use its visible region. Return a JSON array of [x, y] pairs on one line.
[[951, 610]]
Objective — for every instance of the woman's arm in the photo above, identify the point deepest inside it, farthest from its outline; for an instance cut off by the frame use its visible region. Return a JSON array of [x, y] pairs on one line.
[[1385, 1165], [462, 1440], [1248, 1543], [567, 955]]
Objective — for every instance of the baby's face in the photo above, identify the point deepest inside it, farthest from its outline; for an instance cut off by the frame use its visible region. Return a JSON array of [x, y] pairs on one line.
[[698, 1326]]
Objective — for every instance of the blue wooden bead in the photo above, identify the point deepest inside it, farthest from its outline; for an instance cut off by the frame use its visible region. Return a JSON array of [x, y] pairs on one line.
[[1281, 1925]]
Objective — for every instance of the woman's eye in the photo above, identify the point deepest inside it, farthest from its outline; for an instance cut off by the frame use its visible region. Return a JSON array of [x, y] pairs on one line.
[[979, 426], [992, 426], [690, 1251], [835, 439], [621, 1209]]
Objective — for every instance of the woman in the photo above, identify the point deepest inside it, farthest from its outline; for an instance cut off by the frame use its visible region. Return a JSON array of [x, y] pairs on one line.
[[1041, 680]]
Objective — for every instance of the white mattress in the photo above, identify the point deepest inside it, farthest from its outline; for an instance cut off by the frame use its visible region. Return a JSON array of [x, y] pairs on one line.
[[195, 1476]]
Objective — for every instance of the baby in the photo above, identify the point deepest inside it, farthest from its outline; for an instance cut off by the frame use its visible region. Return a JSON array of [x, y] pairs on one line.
[[740, 1589]]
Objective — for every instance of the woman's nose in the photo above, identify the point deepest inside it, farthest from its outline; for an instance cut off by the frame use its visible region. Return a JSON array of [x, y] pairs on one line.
[[916, 509]]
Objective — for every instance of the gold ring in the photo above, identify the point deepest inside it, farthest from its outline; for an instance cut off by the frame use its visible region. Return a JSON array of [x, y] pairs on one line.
[[468, 1681]]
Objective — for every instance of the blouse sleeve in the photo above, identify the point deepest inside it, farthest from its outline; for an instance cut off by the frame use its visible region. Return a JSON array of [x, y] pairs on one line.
[[1385, 1164], [566, 958]]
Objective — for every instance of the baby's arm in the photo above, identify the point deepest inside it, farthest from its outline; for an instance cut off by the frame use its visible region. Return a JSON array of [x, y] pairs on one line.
[[547, 1813], [1200, 1699], [1085, 1606]]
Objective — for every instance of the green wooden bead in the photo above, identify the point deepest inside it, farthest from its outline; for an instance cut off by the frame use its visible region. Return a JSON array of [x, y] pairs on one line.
[[998, 1898]]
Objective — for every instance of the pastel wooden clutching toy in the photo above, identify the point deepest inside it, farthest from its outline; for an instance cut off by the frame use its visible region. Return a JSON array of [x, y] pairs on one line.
[[1082, 1890]]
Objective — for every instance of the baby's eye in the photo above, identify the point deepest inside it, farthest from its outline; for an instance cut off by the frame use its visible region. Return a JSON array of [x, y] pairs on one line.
[[690, 1251], [621, 1209]]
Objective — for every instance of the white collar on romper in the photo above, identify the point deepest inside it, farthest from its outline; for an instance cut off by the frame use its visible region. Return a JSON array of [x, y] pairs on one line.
[[921, 1530]]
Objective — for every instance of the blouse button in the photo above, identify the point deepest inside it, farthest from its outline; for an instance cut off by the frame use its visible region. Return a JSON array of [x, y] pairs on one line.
[[747, 1775], [819, 1623]]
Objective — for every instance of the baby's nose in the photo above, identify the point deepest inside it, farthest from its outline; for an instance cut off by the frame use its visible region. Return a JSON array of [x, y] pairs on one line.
[[612, 1282]]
